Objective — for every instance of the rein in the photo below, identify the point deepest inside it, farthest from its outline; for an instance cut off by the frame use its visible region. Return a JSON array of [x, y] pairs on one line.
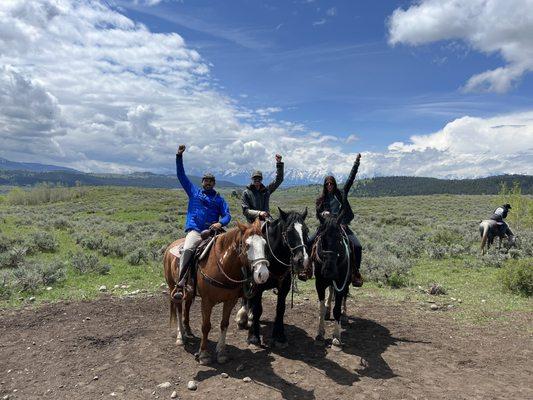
[[316, 252]]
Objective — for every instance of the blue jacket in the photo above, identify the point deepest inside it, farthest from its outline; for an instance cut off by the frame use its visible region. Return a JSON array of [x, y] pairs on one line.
[[205, 206]]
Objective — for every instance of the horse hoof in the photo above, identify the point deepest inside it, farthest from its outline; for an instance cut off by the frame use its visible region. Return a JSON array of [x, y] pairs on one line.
[[188, 333], [222, 358], [336, 343], [179, 342], [254, 340], [204, 358], [327, 316], [319, 340], [249, 324]]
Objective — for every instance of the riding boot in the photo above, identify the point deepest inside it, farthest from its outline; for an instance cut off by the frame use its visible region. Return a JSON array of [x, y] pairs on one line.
[[185, 262], [357, 279]]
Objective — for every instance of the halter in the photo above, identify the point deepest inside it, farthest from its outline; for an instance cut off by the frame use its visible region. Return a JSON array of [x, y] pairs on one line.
[[235, 282], [345, 242], [285, 242]]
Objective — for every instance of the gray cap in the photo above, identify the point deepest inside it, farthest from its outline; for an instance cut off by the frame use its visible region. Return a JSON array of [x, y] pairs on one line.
[[208, 175], [257, 174]]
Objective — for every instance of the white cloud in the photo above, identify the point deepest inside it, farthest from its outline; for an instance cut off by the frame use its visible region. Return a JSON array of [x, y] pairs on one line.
[[84, 86], [351, 138], [319, 22], [331, 12], [504, 27]]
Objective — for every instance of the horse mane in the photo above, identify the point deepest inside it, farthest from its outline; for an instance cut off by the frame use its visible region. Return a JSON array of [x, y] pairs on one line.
[[234, 235], [329, 224]]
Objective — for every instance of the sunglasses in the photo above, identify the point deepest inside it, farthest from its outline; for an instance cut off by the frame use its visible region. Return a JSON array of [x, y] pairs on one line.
[[208, 180], [330, 184], [257, 179]]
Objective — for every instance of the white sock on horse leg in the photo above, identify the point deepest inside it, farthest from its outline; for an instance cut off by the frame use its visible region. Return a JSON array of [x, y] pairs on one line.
[[221, 345], [321, 316]]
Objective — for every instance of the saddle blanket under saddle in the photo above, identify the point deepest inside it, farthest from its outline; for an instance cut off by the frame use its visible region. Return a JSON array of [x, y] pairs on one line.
[[203, 249]]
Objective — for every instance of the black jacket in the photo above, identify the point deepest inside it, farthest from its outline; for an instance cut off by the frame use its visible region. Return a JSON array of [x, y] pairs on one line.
[[342, 197], [254, 201]]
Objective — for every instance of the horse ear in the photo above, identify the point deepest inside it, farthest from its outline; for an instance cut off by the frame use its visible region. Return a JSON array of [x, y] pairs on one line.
[[282, 214], [241, 226], [304, 214]]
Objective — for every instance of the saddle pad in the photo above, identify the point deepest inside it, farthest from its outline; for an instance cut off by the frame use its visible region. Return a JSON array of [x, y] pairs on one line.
[[176, 250]]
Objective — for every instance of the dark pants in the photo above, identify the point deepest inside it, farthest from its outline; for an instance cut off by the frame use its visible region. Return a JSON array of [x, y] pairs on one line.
[[502, 225]]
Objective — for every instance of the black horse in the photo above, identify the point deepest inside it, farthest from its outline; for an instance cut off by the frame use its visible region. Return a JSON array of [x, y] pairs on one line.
[[286, 252], [331, 258]]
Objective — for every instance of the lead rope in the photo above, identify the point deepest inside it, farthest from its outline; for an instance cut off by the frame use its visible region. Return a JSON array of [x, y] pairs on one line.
[[346, 246]]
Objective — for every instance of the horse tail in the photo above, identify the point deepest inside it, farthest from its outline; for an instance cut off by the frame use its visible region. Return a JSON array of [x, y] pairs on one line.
[[484, 231]]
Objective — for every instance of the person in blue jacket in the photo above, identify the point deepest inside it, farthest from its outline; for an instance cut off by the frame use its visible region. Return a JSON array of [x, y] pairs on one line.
[[207, 209]]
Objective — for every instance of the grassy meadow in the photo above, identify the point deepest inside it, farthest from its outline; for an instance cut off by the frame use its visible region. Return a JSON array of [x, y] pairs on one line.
[[65, 243]]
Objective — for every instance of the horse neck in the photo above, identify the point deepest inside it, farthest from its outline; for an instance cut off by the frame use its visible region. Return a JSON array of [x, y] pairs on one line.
[[227, 251], [278, 246]]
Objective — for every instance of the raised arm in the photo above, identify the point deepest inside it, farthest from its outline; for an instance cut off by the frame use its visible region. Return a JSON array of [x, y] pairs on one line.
[[272, 186], [187, 185], [351, 177]]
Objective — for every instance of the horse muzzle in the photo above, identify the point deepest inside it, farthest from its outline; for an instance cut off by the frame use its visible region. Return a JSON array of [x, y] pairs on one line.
[[260, 271]]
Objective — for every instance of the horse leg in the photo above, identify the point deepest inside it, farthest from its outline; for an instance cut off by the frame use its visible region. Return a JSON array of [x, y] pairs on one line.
[[207, 308], [327, 312], [242, 315], [337, 315], [321, 292], [344, 313], [180, 328], [186, 315], [224, 323], [278, 333], [256, 307]]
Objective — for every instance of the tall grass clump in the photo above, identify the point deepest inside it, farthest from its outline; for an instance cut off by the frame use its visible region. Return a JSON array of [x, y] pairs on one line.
[[43, 193], [517, 277], [88, 263], [32, 276]]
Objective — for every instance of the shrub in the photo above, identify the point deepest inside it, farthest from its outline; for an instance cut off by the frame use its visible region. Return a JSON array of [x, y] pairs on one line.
[[61, 223], [5, 286], [43, 193], [90, 242], [5, 243], [517, 277], [52, 272], [27, 278], [137, 257], [44, 241], [396, 280], [13, 258], [87, 263]]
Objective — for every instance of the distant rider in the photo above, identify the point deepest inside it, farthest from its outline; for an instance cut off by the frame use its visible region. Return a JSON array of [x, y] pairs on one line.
[[256, 196], [334, 202], [207, 209], [499, 215]]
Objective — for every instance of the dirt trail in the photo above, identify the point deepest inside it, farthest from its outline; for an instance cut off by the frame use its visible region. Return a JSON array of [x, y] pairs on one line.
[[391, 352]]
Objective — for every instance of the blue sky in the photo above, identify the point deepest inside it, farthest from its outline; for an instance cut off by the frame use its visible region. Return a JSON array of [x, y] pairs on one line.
[[430, 88], [328, 64]]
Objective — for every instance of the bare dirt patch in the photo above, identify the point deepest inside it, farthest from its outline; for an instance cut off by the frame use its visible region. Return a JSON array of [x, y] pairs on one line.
[[124, 348]]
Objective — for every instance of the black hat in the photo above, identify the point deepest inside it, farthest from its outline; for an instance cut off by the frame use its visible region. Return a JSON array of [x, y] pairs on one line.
[[208, 175], [507, 205], [257, 174]]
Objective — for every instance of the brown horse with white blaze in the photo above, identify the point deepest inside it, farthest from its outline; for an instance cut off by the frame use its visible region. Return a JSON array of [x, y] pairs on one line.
[[235, 258]]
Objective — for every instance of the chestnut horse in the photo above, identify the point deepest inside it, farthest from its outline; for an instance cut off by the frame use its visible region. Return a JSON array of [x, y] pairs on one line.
[[236, 257]]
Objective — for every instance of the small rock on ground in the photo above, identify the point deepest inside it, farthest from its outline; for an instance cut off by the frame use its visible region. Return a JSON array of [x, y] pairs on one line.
[[224, 375], [192, 385], [164, 385], [247, 379], [434, 307], [103, 288], [174, 395]]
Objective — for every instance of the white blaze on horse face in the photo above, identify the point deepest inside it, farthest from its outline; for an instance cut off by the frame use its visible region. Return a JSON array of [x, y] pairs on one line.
[[298, 228], [256, 251]]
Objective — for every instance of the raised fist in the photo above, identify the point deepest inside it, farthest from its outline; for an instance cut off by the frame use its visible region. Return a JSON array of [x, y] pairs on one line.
[[278, 158], [181, 149], [358, 157]]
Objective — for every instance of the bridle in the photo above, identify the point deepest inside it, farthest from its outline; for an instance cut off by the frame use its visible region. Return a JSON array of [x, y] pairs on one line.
[[346, 258], [285, 241]]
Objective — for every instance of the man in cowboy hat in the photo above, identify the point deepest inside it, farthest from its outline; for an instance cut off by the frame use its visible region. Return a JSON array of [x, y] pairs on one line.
[[256, 196], [207, 209]]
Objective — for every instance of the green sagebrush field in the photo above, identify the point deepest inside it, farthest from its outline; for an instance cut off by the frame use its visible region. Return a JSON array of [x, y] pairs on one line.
[[66, 243]]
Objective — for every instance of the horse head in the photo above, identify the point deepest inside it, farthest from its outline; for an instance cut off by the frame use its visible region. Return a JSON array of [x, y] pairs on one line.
[[331, 246], [253, 245], [294, 236]]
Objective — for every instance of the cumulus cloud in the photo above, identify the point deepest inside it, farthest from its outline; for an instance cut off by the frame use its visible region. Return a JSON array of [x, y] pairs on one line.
[[503, 27], [84, 86]]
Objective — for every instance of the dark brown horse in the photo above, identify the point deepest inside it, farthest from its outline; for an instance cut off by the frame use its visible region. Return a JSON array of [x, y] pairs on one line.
[[235, 258]]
